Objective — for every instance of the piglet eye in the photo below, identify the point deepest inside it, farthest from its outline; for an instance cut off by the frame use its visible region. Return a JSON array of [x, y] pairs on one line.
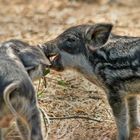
[[71, 39]]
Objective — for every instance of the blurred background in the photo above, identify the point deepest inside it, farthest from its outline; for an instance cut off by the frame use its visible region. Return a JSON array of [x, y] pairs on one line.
[[68, 94]]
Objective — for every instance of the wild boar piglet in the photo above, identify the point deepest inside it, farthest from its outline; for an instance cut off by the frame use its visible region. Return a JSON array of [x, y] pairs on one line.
[[17, 97], [108, 60]]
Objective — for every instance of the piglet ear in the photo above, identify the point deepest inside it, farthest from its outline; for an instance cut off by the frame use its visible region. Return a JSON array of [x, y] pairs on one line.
[[98, 34]]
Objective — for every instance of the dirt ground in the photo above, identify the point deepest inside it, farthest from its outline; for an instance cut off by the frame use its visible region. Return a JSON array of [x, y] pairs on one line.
[[68, 96]]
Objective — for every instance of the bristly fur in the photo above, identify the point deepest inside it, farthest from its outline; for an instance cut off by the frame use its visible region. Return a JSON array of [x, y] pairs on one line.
[[17, 98], [32, 57], [108, 60]]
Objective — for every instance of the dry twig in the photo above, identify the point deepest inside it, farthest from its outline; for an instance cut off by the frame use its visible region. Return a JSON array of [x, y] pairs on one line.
[[74, 117], [45, 117]]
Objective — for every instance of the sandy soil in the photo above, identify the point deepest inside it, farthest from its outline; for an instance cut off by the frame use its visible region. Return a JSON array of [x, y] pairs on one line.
[[68, 94]]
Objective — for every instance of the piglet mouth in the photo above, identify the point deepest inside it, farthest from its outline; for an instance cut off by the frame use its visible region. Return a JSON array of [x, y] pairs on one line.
[[53, 57]]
